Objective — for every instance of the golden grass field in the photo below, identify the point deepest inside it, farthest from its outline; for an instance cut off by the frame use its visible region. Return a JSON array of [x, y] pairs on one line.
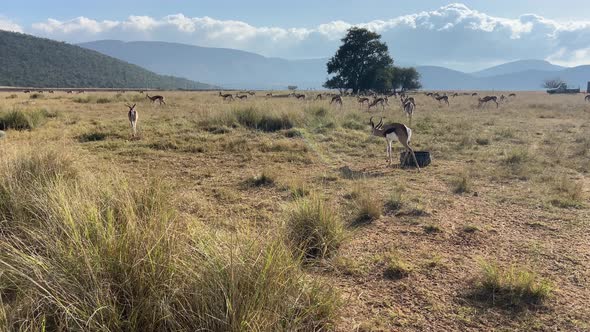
[[493, 235]]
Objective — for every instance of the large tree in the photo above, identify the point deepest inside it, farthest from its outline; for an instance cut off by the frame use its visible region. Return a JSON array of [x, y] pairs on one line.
[[405, 79], [361, 56]]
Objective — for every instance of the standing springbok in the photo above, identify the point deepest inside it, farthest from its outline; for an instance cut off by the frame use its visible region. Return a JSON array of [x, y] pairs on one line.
[[362, 101], [408, 106], [154, 98], [133, 117], [442, 98], [486, 99], [394, 132]]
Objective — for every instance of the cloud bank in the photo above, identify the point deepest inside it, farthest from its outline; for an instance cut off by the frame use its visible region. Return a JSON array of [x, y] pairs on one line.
[[454, 35]]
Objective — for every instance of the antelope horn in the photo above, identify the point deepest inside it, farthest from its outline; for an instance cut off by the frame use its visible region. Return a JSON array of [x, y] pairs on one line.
[[380, 123], [371, 122]]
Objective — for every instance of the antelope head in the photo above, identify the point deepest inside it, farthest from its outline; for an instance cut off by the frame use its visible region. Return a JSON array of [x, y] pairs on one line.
[[376, 128]]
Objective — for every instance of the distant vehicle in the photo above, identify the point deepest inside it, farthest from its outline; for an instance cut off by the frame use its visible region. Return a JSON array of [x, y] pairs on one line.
[[562, 90]]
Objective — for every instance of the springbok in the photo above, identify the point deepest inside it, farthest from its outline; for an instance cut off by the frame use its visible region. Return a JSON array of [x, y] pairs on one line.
[[133, 117], [442, 98], [486, 99], [376, 102], [226, 96], [394, 132], [154, 98], [336, 100]]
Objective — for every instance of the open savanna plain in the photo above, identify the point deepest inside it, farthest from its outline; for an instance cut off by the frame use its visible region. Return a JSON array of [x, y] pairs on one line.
[[279, 214]]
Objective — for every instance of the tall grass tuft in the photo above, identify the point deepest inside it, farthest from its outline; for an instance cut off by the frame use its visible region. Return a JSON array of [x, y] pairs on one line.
[[86, 253], [512, 286], [22, 120], [254, 118], [313, 229]]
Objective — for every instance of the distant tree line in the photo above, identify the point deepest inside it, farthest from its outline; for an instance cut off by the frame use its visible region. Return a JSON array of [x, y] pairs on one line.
[[363, 63]]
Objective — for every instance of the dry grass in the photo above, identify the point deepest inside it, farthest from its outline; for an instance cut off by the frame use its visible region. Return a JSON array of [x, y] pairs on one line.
[[211, 249]]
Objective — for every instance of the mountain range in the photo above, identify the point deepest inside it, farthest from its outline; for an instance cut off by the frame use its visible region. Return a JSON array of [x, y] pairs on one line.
[[28, 61], [230, 68]]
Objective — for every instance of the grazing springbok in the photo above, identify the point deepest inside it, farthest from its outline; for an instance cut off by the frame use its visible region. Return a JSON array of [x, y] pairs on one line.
[[241, 97], [268, 95], [394, 132], [299, 96], [319, 97], [27, 91], [512, 95], [133, 117], [336, 100], [587, 98], [377, 101], [440, 99], [70, 91], [455, 95], [474, 94], [158, 98], [486, 99]]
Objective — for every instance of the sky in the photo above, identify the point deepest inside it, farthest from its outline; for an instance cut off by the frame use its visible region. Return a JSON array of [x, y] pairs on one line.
[[466, 35]]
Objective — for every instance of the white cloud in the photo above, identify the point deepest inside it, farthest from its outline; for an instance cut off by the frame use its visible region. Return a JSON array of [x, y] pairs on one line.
[[8, 25], [453, 33]]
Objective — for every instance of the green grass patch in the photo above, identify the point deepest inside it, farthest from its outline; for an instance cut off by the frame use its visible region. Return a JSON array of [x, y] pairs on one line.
[[512, 286]]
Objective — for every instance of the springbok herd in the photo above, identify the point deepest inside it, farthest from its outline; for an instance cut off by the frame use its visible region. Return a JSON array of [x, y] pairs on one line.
[[391, 132]]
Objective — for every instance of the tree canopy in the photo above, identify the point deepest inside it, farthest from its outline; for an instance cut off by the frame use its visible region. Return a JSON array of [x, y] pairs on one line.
[[363, 63], [361, 56]]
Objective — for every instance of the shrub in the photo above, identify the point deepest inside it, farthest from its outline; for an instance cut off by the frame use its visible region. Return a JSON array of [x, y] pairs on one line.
[[396, 268], [366, 207], [21, 120], [517, 157], [12, 96], [462, 184], [482, 141], [512, 286], [103, 100], [313, 228], [96, 254], [394, 202], [262, 180], [36, 96], [254, 119], [432, 229]]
